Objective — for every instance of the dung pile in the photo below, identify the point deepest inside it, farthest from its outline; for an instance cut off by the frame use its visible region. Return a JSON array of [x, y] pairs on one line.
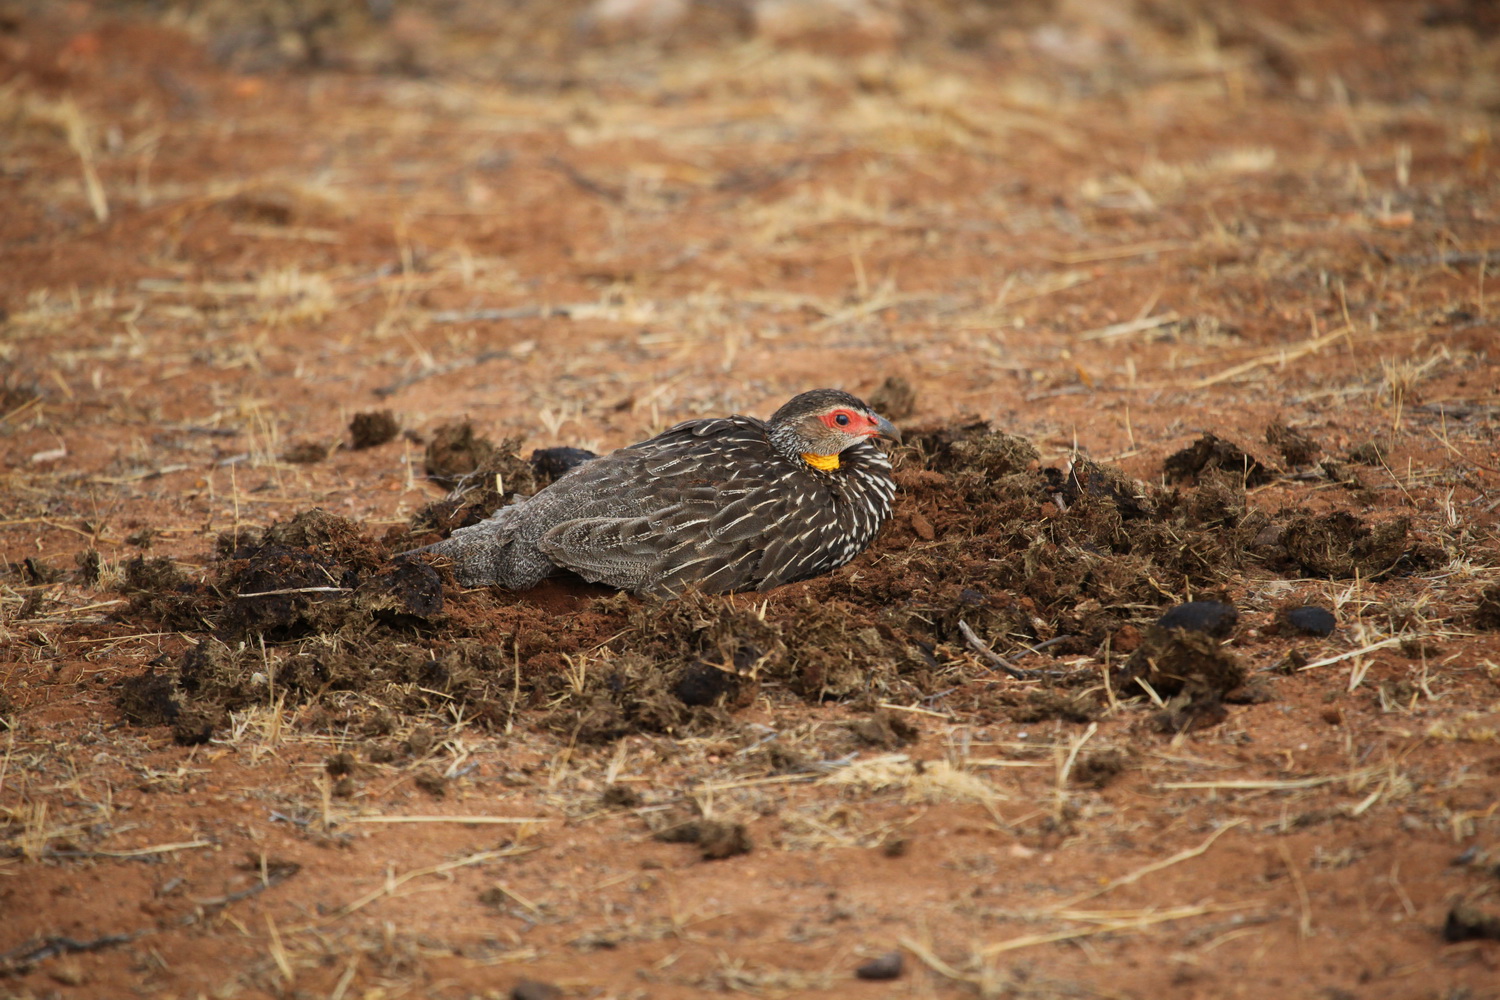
[[1080, 558]]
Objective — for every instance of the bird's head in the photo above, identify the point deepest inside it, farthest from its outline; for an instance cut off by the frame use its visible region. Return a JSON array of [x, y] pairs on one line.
[[817, 425]]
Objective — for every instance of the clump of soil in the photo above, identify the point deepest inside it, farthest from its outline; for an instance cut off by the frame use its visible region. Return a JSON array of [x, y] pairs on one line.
[[1188, 669], [155, 700], [1487, 612], [457, 457], [1211, 452], [370, 430], [159, 590], [306, 453], [716, 838], [1340, 545], [895, 399], [974, 448], [1101, 768], [1296, 448], [317, 573]]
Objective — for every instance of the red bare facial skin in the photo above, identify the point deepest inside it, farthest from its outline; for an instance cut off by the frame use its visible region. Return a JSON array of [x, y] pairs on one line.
[[860, 424]]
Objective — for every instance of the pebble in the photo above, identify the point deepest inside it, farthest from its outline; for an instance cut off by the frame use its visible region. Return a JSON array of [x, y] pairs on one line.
[[530, 989], [887, 966], [1215, 618], [1310, 620]]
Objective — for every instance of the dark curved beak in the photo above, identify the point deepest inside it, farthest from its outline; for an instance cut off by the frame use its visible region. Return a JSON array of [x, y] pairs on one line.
[[884, 428]]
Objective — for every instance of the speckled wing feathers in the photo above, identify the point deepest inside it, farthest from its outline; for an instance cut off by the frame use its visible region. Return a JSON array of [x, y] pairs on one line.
[[709, 503]]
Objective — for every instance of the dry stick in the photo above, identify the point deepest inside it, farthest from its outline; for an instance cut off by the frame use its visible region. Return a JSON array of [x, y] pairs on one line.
[[19, 960], [1155, 866], [1304, 923], [1146, 919], [139, 852], [432, 371], [393, 883], [1268, 783], [1067, 767], [1382, 644], [993, 658], [476, 820], [1309, 346], [298, 590]]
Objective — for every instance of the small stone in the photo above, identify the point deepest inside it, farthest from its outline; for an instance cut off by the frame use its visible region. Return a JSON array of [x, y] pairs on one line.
[[887, 966], [530, 989], [1214, 617], [1309, 620]]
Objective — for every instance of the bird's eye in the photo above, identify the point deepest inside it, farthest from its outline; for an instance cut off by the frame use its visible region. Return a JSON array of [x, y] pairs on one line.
[[842, 419]]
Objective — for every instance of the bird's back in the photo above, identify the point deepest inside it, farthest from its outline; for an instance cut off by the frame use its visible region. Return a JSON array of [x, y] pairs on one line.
[[710, 503]]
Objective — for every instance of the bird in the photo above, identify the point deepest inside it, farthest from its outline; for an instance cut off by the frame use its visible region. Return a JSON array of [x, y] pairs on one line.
[[718, 504]]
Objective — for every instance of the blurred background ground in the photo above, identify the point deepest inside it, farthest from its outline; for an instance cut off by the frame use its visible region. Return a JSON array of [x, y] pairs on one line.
[[228, 228]]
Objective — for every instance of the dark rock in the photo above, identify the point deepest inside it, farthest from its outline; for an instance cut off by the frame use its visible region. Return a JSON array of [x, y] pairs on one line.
[[1213, 617], [1308, 620], [530, 989], [887, 966]]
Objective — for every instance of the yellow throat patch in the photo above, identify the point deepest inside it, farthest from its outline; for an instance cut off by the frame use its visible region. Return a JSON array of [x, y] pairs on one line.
[[824, 463]]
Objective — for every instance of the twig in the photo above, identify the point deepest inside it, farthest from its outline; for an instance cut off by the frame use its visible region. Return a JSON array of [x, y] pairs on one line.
[[298, 590], [1155, 866], [18, 961], [493, 820], [392, 883], [572, 173], [139, 852], [1144, 920], [992, 657], [433, 371], [1130, 326], [1251, 784], [1394, 640]]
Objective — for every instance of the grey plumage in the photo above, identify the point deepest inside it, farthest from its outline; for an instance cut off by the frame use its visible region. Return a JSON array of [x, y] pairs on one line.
[[723, 504]]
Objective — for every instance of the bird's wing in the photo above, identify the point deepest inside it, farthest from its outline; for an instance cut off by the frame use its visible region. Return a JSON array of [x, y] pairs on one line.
[[729, 536]]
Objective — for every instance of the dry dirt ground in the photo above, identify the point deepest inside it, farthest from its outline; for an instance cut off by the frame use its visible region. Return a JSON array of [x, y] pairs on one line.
[[244, 756]]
